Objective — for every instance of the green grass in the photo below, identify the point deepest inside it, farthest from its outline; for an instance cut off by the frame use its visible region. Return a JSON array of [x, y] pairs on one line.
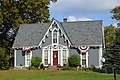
[[53, 75]]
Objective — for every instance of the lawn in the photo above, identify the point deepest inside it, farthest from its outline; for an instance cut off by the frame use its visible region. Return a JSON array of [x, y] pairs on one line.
[[53, 75]]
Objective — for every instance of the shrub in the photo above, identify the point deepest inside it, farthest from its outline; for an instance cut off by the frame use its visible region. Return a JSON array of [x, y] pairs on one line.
[[98, 70], [36, 61], [74, 60]]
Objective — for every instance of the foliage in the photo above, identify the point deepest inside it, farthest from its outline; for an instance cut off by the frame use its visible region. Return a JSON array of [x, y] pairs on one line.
[[109, 33], [36, 61], [74, 60], [116, 13], [3, 58], [112, 54], [16, 12], [94, 69]]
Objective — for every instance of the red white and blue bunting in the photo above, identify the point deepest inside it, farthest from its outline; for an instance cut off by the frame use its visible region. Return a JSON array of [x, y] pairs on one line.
[[83, 49], [26, 49]]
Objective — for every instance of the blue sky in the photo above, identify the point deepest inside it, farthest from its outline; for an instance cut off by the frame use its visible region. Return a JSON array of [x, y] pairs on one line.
[[83, 10]]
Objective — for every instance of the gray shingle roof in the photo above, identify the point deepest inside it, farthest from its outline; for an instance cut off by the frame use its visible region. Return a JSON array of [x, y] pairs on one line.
[[79, 33], [30, 35], [84, 32]]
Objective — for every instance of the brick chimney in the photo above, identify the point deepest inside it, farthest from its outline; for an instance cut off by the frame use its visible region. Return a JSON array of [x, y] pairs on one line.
[[65, 20]]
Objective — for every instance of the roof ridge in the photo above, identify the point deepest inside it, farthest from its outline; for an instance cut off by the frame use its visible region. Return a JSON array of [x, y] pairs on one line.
[[81, 21]]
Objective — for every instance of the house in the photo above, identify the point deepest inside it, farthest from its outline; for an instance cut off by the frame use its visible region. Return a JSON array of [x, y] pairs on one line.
[[55, 41]]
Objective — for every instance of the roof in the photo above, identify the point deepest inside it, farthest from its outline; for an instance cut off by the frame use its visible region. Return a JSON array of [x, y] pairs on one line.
[[84, 32], [30, 35], [79, 33]]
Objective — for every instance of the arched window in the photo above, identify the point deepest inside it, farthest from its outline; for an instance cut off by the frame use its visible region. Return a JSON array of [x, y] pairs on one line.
[[55, 36]]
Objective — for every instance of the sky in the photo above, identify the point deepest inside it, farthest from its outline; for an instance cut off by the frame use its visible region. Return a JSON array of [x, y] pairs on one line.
[[84, 10]]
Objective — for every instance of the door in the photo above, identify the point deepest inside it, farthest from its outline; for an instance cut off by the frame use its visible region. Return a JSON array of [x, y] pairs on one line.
[[55, 57]]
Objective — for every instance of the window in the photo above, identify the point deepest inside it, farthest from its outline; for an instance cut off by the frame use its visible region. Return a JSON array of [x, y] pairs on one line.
[[55, 36], [83, 59], [28, 56], [46, 57], [64, 55]]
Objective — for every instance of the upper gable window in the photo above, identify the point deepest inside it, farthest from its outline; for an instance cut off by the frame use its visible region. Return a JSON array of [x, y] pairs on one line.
[[55, 33]]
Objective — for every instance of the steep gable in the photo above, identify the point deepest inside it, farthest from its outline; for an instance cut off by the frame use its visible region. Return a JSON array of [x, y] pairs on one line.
[[30, 35]]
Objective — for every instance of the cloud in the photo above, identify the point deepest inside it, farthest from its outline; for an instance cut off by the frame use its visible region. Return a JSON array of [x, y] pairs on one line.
[[73, 18], [115, 24], [73, 6]]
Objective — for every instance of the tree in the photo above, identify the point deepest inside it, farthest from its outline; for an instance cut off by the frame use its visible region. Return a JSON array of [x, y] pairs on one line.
[[109, 33], [113, 52], [16, 12], [116, 13]]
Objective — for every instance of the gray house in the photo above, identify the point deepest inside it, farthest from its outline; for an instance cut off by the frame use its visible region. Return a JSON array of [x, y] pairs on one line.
[[55, 41]]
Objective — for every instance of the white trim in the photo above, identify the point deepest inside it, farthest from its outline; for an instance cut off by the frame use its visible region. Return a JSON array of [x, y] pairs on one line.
[[48, 56], [60, 61], [80, 59], [87, 59], [58, 57], [100, 57], [43, 55], [50, 29], [103, 37], [46, 33], [61, 57], [51, 57], [63, 33], [76, 46], [57, 36], [15, 58], [67, 54], [26, 58]]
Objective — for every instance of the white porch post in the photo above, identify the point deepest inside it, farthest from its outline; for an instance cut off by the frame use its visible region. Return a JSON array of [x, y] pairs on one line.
[[51, 57], [67, 55], [58, 57], [14, 58], [43, 56], [61, 57], [81, 59], [100, 56], [87, 59]]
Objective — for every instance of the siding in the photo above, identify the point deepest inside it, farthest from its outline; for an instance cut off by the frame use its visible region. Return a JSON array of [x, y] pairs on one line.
[[93, 58], [37, 52], [20, 58], [62, 40], [48, 40], [73, 51]]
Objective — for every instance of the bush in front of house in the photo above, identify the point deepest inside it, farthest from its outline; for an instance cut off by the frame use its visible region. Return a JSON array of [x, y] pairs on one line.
[[36, 61], [74, 60]]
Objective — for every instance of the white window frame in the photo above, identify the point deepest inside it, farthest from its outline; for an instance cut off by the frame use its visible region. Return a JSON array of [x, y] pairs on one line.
[[66, 56], [47, 56], [57, 36], [86, 58], [26, 56]]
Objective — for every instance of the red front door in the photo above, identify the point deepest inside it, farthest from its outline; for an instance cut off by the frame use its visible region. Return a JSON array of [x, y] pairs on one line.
[[55, 57]]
